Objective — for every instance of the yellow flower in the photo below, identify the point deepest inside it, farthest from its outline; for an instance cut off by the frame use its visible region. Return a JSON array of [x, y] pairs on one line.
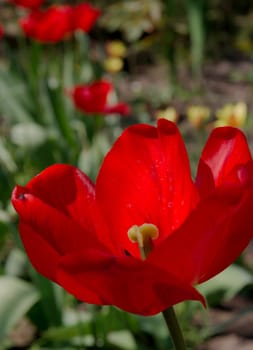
[[116, 48], [113, 64], [169, 113], [198, 115], [232, 115]]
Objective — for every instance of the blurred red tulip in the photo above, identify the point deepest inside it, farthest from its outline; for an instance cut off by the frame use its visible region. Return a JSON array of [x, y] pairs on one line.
[[58, 21], [93, 98], [84, 16], [1, 31], [89, 238], [48, 26], [31, 4]]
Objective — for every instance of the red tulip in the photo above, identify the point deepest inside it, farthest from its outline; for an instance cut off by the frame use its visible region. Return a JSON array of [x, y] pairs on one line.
[[84, 16], [81, 235], [58, 21], [93, 98], [31, 4], [48, 26], [1, 31]]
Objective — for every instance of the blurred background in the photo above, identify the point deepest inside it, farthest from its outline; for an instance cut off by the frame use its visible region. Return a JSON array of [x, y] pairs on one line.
[[190, 61]]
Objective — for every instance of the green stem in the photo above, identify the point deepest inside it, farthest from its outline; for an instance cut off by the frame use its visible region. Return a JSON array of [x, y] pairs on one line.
[[195, 12], [174, 328]]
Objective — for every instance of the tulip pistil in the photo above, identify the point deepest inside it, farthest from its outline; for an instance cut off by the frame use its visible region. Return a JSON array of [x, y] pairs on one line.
[[143, 235]]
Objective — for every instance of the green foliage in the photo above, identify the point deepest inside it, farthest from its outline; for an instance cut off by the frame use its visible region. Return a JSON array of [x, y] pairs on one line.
[[17, 297], [227, 284], [133, 18]]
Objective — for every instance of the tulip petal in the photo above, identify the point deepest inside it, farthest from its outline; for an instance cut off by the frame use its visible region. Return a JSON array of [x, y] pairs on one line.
[[60, 231], [67, 189], [42, 255], [48, 26], [119, 108], [30, 4], [226, 148], [84, 16], [125, 282], [211, 238], [92, 98], [145, 178]]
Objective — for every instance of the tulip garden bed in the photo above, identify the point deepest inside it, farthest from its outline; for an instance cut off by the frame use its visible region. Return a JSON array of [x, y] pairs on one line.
[[74, 78]]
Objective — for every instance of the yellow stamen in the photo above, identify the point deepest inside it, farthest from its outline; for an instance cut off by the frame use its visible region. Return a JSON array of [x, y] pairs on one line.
[[143, 235]]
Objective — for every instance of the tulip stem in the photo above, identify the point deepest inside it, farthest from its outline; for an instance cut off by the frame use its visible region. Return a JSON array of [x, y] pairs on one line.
[[174, 328]]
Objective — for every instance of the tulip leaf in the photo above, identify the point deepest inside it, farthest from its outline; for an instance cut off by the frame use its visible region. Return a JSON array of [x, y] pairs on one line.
[[16, 263], [17, 297], [13, 97], [50, 306], [227, 283], [6, 159], [79, 325], [28, 134], [122, 339], [80, 334]]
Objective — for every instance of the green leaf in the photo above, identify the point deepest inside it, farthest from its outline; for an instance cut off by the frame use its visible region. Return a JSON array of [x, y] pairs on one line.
[[6, 159], [195, 12], [227, 283], [122, 339], [13, 97], [51, 301], [17, 297], [16, 263], [28, 134]]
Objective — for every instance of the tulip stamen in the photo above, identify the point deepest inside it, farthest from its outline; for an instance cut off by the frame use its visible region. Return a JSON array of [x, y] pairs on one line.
[[143, 235]]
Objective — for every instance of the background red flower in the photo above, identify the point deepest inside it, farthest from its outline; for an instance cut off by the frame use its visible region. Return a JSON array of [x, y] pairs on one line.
[[31, 4], [93, 98], [84, 16], [49, 26], [1, 31]]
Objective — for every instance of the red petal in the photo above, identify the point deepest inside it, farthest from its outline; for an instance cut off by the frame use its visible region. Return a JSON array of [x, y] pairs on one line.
[[31, 4], [59, 205], [41, 254], [50, 26], [1, 31], [67, 189], [92, 98], [60, 231], [145, 178], [125, 282], [212, 237], [119, 108], [84, 16], [225, 149]]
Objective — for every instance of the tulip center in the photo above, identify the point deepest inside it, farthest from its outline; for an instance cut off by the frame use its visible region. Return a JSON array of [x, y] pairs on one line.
[[143, 235]]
